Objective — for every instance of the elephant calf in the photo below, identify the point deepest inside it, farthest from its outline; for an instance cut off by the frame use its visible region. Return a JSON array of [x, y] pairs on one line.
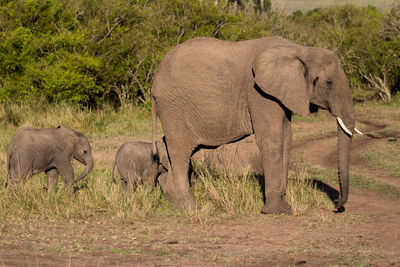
[[135, 163], [32, 151]]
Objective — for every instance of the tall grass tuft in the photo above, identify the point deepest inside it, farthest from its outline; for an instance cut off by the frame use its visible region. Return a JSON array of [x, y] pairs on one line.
[[228, 191], [303, 195], [234, 192]]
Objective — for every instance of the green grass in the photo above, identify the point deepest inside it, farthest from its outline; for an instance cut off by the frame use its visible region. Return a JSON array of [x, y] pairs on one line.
[[373, 185], [357, 182], [385, 156], [316, 117]]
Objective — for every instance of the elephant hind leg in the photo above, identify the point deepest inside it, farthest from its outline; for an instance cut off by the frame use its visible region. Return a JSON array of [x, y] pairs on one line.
[[16, 178], [20, 169], [132, 182], [162, 180], [12, 177], [124, 185], [177, 188]]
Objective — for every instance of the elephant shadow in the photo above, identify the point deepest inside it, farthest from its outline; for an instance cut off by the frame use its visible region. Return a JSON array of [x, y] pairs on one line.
[[331, 192]]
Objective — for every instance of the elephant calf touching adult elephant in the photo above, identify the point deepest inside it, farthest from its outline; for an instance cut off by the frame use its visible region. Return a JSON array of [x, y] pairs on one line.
[[32, 151], [210, 92], [135, 163]]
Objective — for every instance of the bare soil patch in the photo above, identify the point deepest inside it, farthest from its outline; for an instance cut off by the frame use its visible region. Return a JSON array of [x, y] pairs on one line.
[[321, 238]]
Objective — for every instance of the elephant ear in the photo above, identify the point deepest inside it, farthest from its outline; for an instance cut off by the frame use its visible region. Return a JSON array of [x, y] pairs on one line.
[[281, 73], [66, 141]]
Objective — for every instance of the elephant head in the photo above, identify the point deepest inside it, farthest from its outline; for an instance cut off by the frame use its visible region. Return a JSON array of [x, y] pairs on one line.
[[303, 77], [76, 146]]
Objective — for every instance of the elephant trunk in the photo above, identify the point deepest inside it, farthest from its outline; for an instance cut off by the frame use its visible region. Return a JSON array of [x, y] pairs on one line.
[[343, 110], [89, 167], [344, 142]]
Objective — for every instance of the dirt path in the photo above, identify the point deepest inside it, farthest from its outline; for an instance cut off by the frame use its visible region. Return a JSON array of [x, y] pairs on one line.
[[321, 151]]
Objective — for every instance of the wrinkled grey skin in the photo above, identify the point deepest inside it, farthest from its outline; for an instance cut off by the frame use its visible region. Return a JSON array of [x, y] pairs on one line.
[[211, 92], [135, 163], [32, 151]]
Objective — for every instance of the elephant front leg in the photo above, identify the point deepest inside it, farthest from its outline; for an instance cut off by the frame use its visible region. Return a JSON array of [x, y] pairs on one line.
[[274, 178], [287, 144], [176, 187], [52, 177], [65, 169], [274, 141]]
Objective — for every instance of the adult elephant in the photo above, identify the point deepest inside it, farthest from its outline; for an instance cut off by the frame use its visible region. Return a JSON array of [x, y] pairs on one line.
[[32, 151], [211, 92]]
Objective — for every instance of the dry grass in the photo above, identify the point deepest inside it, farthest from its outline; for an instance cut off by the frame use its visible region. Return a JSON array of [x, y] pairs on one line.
[[221, 192]]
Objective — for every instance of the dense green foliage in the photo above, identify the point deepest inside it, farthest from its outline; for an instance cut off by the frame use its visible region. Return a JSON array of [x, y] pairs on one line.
[[89, 52]]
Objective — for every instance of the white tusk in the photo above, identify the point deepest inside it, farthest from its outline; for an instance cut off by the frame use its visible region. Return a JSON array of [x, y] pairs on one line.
[[341, 123], [358, 131]]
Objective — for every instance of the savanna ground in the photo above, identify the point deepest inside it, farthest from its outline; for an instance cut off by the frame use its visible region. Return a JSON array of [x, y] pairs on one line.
[[289, 6], [98, 226]]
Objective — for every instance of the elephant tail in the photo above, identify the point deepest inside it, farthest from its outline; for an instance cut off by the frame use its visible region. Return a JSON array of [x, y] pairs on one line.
[[112, 174], [153, 133]]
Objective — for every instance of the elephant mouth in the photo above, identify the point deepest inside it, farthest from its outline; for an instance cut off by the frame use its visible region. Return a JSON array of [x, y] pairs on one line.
[[81, 161], [345, 129]]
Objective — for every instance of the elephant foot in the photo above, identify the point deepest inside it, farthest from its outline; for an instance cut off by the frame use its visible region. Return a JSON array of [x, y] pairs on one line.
[[185, 203], [51, 188], [69, 188], [182, 200], [276, 206]]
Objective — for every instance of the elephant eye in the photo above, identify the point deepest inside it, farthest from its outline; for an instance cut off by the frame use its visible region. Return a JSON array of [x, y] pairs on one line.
[[315, 81], [329, 83], [84, 151]]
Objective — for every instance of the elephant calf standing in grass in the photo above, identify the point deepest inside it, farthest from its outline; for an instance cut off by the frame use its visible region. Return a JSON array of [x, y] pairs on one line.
[[33, 151], [135, 163]]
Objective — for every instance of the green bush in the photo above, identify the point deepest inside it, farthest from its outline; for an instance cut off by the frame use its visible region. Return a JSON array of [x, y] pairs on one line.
[[89, 52]]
